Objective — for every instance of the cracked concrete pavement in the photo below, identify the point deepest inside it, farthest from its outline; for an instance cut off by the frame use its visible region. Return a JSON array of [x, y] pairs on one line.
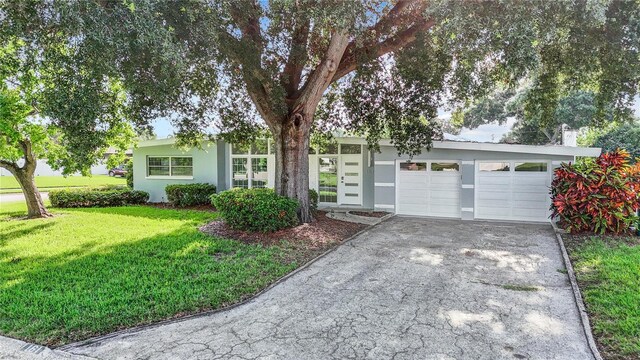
[[410, 288]]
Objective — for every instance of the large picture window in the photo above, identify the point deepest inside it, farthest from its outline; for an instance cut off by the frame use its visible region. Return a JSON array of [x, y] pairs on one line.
[[178, 166], [249, 165]]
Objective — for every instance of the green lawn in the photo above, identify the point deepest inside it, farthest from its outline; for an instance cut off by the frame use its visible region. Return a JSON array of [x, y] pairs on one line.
[[92, 271], [609, 276], [8, 184]]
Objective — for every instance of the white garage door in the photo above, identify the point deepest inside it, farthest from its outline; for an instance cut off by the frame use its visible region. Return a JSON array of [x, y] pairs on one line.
[[513, 190], [428, 188]]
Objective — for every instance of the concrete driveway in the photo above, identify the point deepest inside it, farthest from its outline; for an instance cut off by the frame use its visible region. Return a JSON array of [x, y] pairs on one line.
[[15, 197], [409, 288]]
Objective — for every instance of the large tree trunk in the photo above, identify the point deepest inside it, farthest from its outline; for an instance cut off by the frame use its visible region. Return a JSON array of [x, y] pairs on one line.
[[35, 205], [292, 162]]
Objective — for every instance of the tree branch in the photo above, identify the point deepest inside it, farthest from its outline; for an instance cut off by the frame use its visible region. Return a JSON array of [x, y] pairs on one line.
[[298, 56], [322, 75], [415, 24], [9, 165]]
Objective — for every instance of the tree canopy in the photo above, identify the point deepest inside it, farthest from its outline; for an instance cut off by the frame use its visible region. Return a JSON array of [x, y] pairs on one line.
[[377, 68], [576, 109]]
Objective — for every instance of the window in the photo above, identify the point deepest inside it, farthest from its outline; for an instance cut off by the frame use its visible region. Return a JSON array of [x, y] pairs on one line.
[[331, 148], [239, 174], [444, 166], [249, 164], [413, 166], [170, 166], [531, 167], [260, 176], [260, 147], [350, 149], [494, 166]]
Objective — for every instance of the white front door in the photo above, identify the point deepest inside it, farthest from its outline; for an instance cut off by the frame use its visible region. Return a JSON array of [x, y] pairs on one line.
[[350, 179]]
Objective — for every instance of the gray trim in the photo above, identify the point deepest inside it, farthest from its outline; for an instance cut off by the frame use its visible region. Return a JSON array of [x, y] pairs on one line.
[[221, 161], [368, 179]]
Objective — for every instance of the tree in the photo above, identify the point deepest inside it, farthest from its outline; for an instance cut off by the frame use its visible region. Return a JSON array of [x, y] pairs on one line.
[[43, 115], [375, 68], [576, 109], [617, 136]]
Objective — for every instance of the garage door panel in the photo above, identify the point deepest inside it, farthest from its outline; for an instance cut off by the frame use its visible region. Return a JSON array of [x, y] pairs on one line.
[[494, 196], [512, 195], [428, 193]]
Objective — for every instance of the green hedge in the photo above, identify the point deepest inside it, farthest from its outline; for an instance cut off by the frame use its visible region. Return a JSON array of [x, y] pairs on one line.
[[190, 194], [256, 209], [96, 197]]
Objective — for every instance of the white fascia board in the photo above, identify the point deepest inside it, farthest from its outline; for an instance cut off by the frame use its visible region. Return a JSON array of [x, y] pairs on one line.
[[513, 148], [167, 141]]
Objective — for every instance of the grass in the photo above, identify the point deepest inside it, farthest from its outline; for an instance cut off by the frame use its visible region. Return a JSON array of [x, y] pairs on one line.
[[608, 272], [87, 272], [519, 287], [8, 184]]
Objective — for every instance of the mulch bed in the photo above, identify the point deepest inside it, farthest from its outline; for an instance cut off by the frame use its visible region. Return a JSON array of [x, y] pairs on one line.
[[302, 243], [195, 207], [375, 214]]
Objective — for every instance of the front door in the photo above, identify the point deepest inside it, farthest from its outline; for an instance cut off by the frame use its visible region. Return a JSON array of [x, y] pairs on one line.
[[350, 184]]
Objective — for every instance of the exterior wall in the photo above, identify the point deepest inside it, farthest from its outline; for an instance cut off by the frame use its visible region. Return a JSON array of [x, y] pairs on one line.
[[385, 172], [205, 168], [368, 178]]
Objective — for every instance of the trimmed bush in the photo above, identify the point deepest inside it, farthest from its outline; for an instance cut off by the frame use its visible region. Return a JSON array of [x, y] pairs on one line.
[[599, 196], [256, 209], [190, 194], [96, 198]]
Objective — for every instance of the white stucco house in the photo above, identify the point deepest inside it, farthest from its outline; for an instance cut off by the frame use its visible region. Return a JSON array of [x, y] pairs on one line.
[[464, 180]]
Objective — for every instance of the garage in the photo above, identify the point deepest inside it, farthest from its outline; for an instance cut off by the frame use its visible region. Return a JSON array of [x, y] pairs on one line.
[[428, 188], [512, 190]]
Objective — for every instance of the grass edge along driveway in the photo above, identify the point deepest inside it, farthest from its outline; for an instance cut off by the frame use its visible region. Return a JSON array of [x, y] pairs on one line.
[[88, 272], [608, 273]]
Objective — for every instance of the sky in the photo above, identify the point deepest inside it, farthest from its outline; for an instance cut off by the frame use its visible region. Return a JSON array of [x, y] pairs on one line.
[[483, 133]]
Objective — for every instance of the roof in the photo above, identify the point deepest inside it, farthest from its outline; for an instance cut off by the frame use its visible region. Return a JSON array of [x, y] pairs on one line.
[[456, 145]]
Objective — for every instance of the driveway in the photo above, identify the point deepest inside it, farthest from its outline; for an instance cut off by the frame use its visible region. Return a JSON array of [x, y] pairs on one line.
[[15, 197], [409, 288]]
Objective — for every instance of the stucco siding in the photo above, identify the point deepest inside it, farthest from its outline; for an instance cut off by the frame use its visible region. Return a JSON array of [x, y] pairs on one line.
[[205, 169]]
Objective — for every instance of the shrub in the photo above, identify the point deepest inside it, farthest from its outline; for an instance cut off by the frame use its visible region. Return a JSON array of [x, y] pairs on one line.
[[129, 167], [596, 195], [313, 200], [96, 198], [256, 209], [189, 194]]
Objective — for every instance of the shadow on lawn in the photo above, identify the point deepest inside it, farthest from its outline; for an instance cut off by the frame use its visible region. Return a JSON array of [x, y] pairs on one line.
[[152, 212], [93, 289]]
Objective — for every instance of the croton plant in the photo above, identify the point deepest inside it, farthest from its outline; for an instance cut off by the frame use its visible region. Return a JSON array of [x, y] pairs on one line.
[[597, 195]]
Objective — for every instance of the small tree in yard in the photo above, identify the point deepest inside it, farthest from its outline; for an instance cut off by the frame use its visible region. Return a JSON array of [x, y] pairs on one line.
[[598, 195], [377, 68], [63, 119]]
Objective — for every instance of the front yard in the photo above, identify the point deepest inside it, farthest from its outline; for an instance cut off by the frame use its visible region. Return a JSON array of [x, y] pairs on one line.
[[92, 271], [8, 184], [608, 273]]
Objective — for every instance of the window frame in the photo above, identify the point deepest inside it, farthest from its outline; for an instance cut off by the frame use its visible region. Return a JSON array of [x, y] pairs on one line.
[[250, 156], [170, 176]]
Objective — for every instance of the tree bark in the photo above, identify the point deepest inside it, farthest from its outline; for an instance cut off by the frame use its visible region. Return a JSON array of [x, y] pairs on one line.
[[292, 162], [35, 205], [24, 176]]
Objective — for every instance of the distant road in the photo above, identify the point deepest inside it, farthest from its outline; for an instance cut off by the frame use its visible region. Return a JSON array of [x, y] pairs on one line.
[[7, 198]]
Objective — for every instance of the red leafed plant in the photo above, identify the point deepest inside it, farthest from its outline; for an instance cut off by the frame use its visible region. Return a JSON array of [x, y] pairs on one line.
[[598, 195]]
